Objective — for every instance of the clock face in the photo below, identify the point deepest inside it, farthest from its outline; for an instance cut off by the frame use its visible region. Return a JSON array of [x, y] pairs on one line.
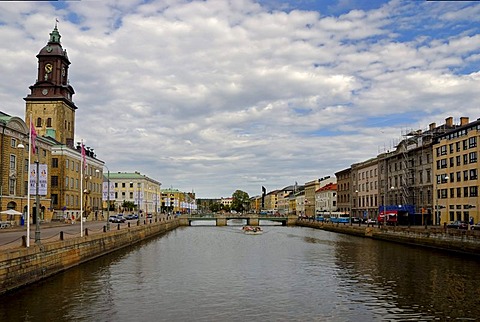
[[49, 49], [48, 68], [45, 91]]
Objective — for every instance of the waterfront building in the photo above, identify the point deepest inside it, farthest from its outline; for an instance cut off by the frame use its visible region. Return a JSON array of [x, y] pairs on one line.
[[271, 202], [283, 199], [326, 199], [175, 201], [344, 193], [255, 204], [406, 176], [365, 186], [300, 203], [456, 184], [133, 187], [14, 176], [310, 188]]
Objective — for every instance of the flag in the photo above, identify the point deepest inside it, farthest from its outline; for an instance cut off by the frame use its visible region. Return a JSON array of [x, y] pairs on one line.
[[84, 159], [33, 137]]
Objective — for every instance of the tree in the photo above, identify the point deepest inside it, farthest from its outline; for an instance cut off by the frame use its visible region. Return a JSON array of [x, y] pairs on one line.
[[214, 207], [240, 201]]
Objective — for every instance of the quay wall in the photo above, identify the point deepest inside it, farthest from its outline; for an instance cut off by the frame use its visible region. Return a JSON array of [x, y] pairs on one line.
[[23, 266], [452, 240]]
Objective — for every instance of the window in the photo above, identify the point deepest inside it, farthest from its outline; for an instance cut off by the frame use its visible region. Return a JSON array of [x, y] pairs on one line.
[[123, 184], [459, 176], [450, 146], [473, 174], [54, 181], [13, 161], [465, 191], [452, 192], [458, 160], [451, 162], [49, 122], [465, 144], [54, 162], [472, 142], [473, 191], [465, 175], [54, 199], [11, 186], [66, 182], [443, 164], [472, 156], [39, 122], [465, 159], [13, 143], [457, 146], [459, 192], [66, 164]]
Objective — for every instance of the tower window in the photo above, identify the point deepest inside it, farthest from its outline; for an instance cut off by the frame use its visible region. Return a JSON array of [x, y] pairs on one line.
[[49, 122], [39, 122]]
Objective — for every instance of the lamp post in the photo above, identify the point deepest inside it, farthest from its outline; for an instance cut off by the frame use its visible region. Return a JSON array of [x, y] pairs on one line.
[[21, 146]]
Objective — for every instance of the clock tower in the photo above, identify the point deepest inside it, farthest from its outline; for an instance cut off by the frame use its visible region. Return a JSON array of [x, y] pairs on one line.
[[50, 103]]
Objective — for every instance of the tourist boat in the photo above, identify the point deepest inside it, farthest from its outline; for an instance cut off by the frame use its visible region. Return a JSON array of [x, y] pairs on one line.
[[252, 230]]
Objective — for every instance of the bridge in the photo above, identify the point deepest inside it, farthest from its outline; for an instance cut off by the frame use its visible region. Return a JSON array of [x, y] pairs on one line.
[[252, 219]]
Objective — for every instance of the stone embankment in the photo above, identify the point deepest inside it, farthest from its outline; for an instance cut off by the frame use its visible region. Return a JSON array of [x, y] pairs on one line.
[[453, 240], [23, 266]]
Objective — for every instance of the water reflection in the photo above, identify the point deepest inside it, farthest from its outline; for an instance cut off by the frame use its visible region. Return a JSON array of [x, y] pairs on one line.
[[287, 273]]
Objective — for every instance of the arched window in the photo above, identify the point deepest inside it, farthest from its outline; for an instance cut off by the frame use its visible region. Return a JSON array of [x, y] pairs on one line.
[[49, 122], [39, 122]]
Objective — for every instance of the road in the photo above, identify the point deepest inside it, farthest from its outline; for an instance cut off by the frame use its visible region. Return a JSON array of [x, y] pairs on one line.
[[12, 237]]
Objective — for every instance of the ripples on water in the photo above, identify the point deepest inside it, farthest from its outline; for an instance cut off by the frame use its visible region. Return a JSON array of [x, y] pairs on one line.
[[286, 274]]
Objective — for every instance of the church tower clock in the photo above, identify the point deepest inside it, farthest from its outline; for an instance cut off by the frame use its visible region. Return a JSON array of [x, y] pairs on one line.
[[50, 103]]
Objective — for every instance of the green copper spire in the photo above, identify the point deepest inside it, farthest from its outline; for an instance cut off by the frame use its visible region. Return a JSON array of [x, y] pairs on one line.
[[55, 35]]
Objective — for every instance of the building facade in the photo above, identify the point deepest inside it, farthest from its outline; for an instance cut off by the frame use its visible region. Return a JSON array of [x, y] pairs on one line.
[[456, 170]]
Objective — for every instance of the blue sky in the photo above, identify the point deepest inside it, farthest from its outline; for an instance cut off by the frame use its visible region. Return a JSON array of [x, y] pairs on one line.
[[217, 95]]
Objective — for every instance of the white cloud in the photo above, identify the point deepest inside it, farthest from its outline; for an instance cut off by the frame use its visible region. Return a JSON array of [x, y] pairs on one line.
[[222, 95]]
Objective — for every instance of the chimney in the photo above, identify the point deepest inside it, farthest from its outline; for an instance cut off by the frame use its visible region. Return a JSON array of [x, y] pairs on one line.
[[449, 122], [432, 126], [463, 120]]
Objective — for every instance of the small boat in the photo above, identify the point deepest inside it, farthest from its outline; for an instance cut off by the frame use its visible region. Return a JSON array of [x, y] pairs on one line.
[[252, 230]]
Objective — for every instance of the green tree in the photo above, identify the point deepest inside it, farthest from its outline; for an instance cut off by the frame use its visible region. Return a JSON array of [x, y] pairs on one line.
[[240, 201], [214, 207]]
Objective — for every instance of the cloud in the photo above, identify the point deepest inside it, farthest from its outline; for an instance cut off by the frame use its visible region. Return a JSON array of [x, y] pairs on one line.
[[222, 95]]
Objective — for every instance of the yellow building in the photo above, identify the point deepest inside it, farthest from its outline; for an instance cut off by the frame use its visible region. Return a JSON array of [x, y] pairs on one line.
[[14, 176], [456, 172], [51, 111], [175, 201]]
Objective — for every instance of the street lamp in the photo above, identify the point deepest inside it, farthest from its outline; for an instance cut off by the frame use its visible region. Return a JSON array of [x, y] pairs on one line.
[[108, 195]]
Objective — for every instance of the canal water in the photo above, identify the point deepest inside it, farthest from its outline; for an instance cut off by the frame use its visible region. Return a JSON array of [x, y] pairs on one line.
[[207, 273]]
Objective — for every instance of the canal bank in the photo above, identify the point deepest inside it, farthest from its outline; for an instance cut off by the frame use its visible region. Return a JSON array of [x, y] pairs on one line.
[[452, 240], [23, 266]]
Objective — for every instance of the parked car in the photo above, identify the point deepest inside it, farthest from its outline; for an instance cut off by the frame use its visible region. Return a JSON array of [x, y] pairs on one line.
[[149, 216], [476, 226], [130, 217], [371, 221], [356, 220], [116, 219], [120, 217], [457, 224]]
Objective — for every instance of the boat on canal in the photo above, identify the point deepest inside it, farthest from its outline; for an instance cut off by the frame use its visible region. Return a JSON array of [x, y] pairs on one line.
[[252, 230]]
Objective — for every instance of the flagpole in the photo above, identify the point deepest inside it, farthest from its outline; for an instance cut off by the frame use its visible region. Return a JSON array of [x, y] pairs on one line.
[[81, 194], [29, 171]]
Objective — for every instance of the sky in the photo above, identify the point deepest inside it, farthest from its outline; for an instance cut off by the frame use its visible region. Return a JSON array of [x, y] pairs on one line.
[[222, 95]]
